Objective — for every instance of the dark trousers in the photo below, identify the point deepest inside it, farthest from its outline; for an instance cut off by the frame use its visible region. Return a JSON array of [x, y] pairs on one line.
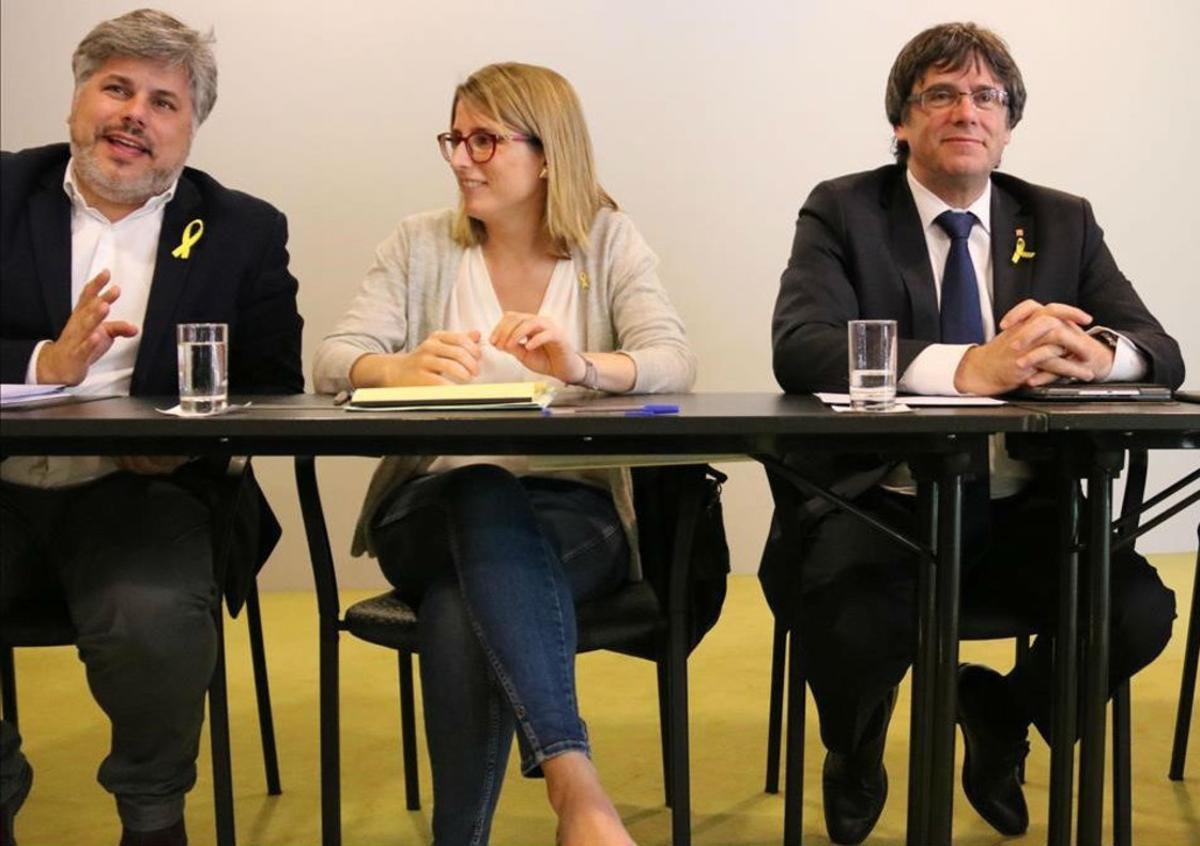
[[131, 558], [857, 626]]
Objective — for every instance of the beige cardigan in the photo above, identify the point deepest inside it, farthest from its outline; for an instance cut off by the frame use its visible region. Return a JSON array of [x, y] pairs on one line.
[[404, 295]]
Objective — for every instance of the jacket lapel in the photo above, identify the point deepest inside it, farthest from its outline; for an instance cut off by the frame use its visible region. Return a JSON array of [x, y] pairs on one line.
[[50, 224], [912, 258], [170, 279], [1011, 282]]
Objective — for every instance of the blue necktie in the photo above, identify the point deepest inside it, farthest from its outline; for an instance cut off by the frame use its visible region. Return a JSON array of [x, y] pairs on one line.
[[962, 321]]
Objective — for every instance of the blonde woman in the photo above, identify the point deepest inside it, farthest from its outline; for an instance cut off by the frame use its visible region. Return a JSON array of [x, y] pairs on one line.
[[535, 275]]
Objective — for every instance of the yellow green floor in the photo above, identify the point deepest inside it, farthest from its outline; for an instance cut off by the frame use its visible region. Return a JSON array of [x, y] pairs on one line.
[[66, 736]]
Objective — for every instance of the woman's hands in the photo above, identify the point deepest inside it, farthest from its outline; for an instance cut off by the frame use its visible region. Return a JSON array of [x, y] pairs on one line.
[[538, 343], [443, 358]]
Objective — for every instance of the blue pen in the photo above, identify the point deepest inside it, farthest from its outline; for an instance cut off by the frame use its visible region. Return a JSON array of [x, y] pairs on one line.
[[660, 408], [647, 410]]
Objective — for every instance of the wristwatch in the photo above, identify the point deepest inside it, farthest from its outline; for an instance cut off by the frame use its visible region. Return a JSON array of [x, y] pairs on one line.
[[1107, 337], [591, 379]]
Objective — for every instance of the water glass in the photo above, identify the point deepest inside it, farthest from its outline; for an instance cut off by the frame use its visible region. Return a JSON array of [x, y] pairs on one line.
[[203, 367], [872, 364]]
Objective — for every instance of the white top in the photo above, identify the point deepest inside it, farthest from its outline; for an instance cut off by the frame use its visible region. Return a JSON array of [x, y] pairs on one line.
[[473, 305], [127, 249]]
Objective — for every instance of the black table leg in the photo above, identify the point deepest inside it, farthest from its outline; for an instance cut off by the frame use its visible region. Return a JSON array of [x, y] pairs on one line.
[[1062, 732], [327, 605], [1096, 650], [923, 675], [942, 724]]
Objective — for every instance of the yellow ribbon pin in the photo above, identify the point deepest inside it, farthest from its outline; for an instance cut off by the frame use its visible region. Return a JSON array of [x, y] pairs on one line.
[[191, 234], [1020, 252], [584, 282]]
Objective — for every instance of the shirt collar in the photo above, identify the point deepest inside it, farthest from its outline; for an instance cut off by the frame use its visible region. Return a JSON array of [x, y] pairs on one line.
[[930, 205], [80, 204]]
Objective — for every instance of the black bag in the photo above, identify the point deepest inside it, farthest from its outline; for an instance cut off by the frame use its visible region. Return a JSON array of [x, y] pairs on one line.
[[657, 493]]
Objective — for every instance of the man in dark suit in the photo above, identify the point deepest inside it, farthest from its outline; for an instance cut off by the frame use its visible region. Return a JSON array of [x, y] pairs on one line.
[[139, 548], [995, 284]]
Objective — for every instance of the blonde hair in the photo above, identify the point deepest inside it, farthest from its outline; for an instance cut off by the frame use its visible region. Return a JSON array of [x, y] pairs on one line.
[[538, 102]]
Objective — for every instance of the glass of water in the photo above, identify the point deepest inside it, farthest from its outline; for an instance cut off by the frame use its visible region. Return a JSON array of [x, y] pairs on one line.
[[872, 364], [203, 367]]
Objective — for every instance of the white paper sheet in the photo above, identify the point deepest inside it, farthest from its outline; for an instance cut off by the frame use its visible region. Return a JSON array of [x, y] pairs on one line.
[[12, 395], [895, 409], [177, 411], [915, 401]]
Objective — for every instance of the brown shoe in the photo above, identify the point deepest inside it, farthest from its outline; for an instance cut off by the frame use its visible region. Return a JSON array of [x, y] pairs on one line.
[[173, 836]]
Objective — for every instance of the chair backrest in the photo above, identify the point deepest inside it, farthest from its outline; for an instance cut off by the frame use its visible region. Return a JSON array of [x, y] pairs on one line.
[[1135, 491], [688, 574]]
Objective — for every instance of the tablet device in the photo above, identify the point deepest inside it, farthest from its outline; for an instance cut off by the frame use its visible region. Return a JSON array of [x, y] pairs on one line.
[[1102, 391]]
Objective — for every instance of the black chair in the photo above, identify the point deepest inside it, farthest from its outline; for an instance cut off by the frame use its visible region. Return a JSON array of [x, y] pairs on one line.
[[655, 619], [977, 622], [36, 625], [1187, 684]]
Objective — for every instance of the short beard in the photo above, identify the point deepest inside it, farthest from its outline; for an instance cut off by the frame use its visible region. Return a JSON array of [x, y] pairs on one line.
[[123, 191]]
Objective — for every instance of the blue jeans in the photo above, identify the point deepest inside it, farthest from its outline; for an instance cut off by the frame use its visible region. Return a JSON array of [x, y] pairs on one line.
[[494, 565]]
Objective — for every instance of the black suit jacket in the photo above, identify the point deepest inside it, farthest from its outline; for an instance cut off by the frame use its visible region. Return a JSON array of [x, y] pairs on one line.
[[859, 252], [237, 273]]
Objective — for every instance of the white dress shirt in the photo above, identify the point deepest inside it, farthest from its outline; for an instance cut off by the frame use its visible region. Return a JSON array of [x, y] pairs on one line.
[[933, 370], [127, 249]]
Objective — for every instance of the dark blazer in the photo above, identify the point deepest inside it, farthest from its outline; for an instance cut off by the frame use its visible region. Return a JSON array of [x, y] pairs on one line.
[[237, 273], [859, 252]]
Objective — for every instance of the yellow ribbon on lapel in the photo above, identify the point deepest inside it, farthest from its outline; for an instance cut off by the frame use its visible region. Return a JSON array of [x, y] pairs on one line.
[[191, 234], [1020, 253]]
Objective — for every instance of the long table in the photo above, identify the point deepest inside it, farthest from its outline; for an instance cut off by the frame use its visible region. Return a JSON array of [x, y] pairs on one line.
[[944, 445]]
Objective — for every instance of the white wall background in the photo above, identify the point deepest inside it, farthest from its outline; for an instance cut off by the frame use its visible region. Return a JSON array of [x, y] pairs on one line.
[[711, 121]]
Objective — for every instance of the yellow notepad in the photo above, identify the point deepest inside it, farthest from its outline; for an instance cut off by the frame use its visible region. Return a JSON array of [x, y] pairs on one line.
[[517, 396]]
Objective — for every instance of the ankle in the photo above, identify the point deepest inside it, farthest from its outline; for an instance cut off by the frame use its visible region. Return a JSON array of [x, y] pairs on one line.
[[570, 777], [586, 814]]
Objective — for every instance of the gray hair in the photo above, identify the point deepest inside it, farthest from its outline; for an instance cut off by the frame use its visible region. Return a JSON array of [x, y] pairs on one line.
[[150, 34]]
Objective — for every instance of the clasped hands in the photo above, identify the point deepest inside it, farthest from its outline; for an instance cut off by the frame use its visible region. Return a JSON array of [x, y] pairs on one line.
[[86, 337], [446, 357], [1037, 344]]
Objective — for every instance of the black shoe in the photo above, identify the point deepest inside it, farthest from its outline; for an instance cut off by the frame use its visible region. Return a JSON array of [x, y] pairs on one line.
[[995, 748], [854, 794], [855, 786], [8, 810]]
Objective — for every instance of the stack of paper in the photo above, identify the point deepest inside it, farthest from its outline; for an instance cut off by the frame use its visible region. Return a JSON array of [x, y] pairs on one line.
[[509, 396], [16, 395]]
